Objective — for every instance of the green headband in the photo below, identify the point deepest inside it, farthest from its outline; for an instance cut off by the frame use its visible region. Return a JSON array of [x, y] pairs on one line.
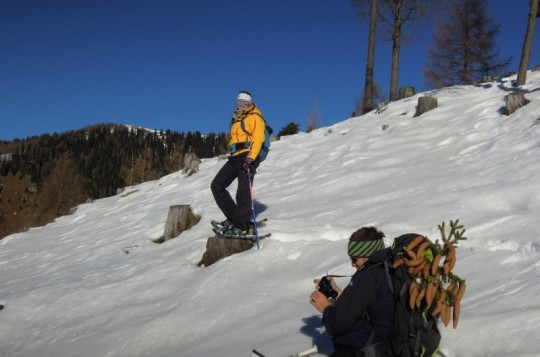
[[364, 248]]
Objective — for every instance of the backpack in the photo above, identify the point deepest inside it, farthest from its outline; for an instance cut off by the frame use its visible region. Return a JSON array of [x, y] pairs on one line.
[[267, 133], [425, 289], [415, 331]]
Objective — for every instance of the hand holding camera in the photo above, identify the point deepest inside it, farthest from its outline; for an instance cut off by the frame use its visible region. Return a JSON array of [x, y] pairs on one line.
[[325, 286], [326, 289]]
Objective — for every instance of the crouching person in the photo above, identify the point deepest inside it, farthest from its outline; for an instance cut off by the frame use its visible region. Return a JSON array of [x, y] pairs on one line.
[[360, 319]]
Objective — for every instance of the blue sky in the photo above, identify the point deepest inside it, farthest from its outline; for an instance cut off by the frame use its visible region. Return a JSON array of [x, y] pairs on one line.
[[178, 64]]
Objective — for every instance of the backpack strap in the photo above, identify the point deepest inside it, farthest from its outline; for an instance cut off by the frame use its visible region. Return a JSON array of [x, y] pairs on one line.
[[417, 342], [243, 126], [373, 329], [248, 144], [388, 277], [386, 266], [371, 337]]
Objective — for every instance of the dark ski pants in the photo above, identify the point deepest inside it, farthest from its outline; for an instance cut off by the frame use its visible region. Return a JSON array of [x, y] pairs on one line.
[[238, 212]]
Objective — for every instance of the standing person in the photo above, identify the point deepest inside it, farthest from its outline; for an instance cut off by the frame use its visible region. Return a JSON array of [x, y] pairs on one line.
[[245, 143], [361, 318]]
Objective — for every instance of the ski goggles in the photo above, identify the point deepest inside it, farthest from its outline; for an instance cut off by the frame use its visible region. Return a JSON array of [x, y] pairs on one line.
[[243, 103]]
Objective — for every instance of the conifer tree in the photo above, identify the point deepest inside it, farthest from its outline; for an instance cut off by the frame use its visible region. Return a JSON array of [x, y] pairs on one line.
[[464, 46], [289, 129]]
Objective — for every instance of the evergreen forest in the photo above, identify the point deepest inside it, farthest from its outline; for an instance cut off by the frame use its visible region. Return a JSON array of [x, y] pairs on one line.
[[44, 177]]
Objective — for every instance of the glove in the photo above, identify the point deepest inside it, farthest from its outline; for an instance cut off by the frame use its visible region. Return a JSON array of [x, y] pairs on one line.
[[246, 165]]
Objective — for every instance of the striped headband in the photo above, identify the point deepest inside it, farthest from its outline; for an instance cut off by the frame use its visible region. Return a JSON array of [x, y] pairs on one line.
[[364, 248]]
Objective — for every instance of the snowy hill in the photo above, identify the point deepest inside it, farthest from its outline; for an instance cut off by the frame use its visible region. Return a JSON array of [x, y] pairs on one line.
[[70, 290]]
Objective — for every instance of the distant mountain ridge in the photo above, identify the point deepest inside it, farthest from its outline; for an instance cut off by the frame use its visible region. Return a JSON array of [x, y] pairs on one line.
[[93, 162]]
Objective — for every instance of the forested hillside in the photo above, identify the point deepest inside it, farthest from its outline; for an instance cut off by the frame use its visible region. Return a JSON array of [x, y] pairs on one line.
[[46, 176]]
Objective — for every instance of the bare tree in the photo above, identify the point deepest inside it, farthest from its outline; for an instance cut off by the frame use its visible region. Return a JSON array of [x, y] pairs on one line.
[[527, 43], [465, 49], [395, 14], [378, 99], [174, 161], [314, 118], [140, 170], [370, 63], [62, 190]]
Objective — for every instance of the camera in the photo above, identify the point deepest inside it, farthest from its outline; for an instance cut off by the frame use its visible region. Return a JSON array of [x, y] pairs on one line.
[[326, 288]]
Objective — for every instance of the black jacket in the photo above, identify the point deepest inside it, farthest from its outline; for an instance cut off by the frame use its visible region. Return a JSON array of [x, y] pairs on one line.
[[366, 295]]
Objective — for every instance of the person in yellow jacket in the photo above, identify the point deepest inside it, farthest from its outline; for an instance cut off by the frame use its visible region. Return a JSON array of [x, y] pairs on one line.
[[245, 143]]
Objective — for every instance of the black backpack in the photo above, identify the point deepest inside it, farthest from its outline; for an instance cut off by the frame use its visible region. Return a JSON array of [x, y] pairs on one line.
[[415, 330]]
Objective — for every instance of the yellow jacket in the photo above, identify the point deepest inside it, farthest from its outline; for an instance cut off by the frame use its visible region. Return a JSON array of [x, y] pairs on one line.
[[252, 138]]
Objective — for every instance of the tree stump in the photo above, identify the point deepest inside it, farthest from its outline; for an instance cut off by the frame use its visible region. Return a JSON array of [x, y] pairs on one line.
[[179, 219], [514, 101], [406, 92], [425, 104], [381, 107], [219, 248], [191, 163]]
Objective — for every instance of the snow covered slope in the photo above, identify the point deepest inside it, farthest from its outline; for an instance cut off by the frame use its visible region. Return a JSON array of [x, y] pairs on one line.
[[70, 290]]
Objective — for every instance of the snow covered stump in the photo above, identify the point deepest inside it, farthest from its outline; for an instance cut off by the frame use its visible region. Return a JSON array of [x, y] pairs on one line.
[[179, 219], [219, 248], [425, 104], [406, 92]]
